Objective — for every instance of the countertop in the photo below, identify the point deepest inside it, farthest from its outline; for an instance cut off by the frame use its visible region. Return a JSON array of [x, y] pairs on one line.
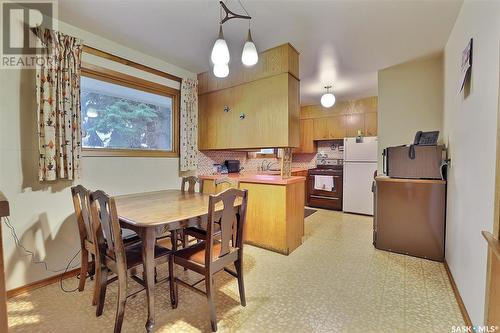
[[401, 180], [257, 178]]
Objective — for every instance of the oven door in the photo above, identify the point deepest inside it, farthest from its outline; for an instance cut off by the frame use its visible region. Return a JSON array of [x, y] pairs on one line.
[[325, 199]]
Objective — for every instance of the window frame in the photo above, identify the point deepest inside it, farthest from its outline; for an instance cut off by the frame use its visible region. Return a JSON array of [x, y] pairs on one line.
[[107, 75]]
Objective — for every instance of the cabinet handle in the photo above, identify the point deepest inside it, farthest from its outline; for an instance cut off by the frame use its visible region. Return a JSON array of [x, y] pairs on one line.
[[226, 108], [242, 116]]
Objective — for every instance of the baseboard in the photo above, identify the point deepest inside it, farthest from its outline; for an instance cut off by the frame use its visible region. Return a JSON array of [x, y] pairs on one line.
[[460, 302], [41, 283]]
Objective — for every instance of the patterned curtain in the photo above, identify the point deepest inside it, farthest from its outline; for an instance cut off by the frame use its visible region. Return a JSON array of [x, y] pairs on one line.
[[58, 106], [189, 125]]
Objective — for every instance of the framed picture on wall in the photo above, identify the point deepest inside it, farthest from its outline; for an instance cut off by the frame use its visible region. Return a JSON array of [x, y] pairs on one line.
[[466, 65]]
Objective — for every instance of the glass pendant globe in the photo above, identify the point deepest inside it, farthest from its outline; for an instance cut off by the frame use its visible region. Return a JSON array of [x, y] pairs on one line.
[[328, 100], [221, 70], [249, 56], [220, 51]]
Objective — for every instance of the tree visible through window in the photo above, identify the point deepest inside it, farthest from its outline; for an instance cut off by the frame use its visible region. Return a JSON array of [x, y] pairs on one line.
[[119, 117]]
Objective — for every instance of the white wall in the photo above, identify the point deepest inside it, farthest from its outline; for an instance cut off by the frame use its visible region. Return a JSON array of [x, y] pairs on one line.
[[410, 99], [470, 130], [43, 213]]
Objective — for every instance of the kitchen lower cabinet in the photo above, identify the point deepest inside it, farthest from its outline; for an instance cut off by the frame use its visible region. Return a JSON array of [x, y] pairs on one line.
[[275, 216]]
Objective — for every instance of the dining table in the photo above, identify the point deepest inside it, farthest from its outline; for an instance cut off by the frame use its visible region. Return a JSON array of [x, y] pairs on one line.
[[151, 214]]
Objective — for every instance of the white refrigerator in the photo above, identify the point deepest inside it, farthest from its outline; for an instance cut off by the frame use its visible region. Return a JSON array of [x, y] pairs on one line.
[[360, 163]]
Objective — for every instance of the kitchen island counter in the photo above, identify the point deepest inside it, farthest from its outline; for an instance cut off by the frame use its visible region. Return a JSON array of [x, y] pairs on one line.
[[275, 212]]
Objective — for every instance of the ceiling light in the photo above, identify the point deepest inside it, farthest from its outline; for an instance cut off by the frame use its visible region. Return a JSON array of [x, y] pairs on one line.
[[221, 70], [249, 56], [328, 99], [220, 51]]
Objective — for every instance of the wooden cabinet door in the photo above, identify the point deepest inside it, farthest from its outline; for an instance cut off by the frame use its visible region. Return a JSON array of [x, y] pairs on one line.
[[354, 122], [306, 136], [336, 127], [214, 123], [264, 104], [320, 129], [371, 124]]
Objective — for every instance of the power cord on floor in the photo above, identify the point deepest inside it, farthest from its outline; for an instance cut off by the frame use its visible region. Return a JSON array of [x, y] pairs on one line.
[[31, 254]]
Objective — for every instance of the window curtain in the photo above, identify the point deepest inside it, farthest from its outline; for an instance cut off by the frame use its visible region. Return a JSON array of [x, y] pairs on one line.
[[58, 105], [189, 125]]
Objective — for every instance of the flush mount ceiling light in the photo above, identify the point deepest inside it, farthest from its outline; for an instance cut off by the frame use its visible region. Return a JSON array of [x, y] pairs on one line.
[[220, 52], [328, 99]]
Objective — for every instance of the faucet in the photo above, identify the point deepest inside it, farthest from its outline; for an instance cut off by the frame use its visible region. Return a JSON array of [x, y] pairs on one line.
[[266, 165], [262, 168], [269, 165]]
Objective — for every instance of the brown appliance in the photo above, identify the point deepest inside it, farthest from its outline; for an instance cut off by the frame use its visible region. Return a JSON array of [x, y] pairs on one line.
[[325, 198], [410, 216], [415, 162]]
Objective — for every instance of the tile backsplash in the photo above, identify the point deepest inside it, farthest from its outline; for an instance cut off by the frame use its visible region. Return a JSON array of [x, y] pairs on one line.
[[206, 159], [332, 149]]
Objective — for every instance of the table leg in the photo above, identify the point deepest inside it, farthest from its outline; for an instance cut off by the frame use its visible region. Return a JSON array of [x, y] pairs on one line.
[[173, 238], [148, 259]]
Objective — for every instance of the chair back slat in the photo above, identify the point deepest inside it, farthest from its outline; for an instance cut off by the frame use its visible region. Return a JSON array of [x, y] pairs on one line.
[[191, 182], [107, 230], [82, 211], [222, 206]]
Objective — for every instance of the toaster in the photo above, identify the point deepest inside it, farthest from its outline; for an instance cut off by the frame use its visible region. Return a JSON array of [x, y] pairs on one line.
[[233, 166]]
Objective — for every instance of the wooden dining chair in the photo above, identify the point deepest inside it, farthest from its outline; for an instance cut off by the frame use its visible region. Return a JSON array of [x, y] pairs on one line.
[[195, 232], [200, 232], [218, 251], [113, 255], [81, 205], [82, 212], [191, 182], [180, 235]]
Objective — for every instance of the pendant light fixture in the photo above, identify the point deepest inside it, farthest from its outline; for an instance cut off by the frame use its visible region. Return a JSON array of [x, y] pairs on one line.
[[328, 99], [249, 56], [220, 52], [221, 70]]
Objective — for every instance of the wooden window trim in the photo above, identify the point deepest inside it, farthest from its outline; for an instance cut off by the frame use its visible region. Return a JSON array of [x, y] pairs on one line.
[[108, 75], [112, 57]]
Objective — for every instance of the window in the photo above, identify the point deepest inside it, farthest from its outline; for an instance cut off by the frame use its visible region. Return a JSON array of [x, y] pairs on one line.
[[123, 115]]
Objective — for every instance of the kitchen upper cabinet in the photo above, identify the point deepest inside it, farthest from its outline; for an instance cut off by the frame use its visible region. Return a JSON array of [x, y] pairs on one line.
[[255, 107], [306, 137], [258, 114], [353, 123], [336, 127], [329, 128], [371, 124], [320, 127]]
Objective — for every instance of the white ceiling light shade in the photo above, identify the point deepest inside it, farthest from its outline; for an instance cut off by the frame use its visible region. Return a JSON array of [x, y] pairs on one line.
[[220, 51], [328, 99], [249, 56], [221, 70]]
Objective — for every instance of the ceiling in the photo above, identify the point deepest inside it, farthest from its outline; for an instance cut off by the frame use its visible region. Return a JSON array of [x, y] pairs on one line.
[[342, 43]]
